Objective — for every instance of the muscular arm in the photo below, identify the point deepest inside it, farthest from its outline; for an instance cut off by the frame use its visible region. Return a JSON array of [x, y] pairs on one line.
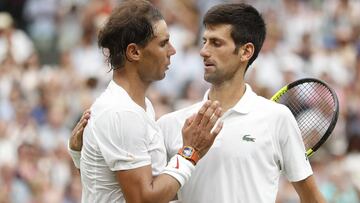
[[308, 191], [138, 185]]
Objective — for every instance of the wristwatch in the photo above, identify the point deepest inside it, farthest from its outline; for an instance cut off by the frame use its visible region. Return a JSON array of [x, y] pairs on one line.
[[189, 153]]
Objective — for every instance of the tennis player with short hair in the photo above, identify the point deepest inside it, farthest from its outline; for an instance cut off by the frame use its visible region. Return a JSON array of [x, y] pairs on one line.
[[123, 158], [260, 138]]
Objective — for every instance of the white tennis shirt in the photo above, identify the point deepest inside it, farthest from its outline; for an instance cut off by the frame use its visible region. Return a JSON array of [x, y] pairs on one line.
[[259, 140], [120, 135]]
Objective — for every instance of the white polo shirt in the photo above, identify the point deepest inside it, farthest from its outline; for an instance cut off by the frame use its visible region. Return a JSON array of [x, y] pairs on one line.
[[120, 135], [259, 140]]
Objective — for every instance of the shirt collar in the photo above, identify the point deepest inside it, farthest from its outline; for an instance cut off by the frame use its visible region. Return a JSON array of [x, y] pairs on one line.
[[245, 104]]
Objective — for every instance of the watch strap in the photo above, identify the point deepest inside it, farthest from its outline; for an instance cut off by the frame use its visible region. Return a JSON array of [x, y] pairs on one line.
[[189, 153]]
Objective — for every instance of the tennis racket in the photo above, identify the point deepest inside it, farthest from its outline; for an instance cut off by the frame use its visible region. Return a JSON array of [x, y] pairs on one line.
[[315, 107]]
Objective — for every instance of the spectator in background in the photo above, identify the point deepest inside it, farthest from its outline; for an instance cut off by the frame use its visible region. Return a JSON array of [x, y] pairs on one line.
[[86, 57], [15, 9], [180, 16], [15, 45], [41, 17]]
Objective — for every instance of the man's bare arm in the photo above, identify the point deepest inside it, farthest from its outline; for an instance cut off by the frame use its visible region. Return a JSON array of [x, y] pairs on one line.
[[308, 191]]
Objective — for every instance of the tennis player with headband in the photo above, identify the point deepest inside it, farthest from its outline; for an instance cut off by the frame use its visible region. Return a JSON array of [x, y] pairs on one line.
[[260, 138], [123, 156]]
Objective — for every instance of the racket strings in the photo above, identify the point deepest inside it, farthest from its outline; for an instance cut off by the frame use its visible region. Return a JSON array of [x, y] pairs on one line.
[[312, 105], [324, 122], [312, 135]]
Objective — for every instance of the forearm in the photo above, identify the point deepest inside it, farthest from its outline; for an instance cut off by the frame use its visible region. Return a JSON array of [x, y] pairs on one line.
[[313, 199], [163, 188], [139, 186], [319, 199], [308, 191], [313, 196]]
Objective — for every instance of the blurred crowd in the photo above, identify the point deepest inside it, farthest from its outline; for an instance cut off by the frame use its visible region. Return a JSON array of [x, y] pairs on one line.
[[51, 70]]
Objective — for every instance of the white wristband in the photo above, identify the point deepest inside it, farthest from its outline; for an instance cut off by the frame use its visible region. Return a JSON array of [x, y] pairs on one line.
[[179, 168], [75, 155]]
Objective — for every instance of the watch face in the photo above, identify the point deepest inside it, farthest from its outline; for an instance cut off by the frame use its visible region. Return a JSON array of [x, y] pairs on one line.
[[187, 151]]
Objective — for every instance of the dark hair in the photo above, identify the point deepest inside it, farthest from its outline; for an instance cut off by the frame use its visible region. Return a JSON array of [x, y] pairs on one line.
[[131, 22], [247, 24]]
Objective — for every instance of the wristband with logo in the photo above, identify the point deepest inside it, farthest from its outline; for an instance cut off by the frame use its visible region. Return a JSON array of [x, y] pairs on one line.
[[179, 168]]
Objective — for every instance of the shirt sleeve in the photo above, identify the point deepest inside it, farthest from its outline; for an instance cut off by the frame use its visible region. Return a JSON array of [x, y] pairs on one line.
[[171, 129], [123, 140], [296, 165]]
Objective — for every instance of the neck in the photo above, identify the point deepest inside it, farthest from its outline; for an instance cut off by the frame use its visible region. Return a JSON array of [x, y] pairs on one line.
[[132, 84], [227, 93]]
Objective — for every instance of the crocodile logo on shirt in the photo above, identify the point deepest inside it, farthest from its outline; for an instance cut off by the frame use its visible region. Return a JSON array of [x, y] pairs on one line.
[[248, 138]]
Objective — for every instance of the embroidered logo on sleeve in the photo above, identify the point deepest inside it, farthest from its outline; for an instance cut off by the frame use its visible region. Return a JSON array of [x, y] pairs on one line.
[[248, 138]]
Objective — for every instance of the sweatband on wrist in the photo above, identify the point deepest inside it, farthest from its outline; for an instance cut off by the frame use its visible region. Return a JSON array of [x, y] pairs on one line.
[[75, 156], [179, 168]]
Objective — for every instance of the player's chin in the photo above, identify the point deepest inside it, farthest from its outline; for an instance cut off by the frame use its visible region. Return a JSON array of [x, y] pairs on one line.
[[166, 68], [207, 78], [161, 76], [210, 78]]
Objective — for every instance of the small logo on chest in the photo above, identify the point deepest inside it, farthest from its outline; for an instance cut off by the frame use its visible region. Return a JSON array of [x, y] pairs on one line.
[[248, 138]]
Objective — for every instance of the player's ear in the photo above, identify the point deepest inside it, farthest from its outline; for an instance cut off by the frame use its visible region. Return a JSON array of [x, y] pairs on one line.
[[246, 51], [132, 52]]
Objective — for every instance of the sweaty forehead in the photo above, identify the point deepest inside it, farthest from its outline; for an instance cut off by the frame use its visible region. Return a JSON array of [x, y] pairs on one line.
[[217, 31]]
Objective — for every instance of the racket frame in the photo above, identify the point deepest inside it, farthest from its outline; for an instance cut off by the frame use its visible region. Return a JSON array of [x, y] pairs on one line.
[[334, 119]]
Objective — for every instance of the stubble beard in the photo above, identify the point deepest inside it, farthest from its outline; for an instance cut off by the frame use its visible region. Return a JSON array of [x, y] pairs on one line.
[[211, 78]]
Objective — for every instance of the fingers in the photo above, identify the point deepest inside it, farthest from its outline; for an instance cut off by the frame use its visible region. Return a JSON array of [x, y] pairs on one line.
[[83, 122], [79, 128], [217, 129], [209, 113], [87, 111], [84, 118], [201, 112], [198, 130], [214, 118], [77, 133], [190, 120], [86, 114]]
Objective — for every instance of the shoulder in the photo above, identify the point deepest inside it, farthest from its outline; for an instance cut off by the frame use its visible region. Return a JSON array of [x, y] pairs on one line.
[[109, 111], [111, 103], [180, 115], [268, 106], [276, 114]]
